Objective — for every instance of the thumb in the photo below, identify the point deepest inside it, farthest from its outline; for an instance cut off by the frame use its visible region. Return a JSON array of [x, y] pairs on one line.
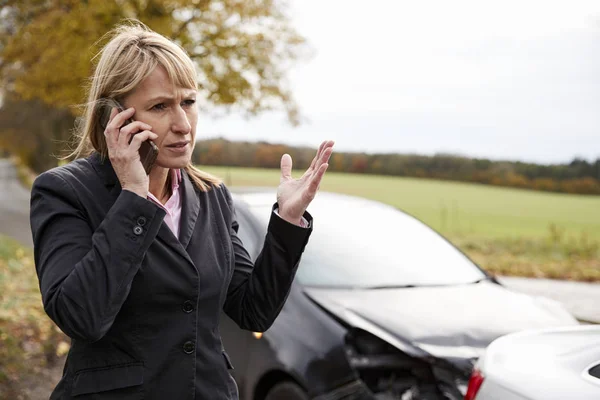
[[286, 167]]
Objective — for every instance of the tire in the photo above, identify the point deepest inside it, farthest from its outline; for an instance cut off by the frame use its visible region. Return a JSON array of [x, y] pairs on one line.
[[286, 391]]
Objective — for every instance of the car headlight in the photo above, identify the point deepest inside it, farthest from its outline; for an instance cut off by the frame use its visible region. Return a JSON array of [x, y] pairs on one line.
[[387, 371], [365, 350]]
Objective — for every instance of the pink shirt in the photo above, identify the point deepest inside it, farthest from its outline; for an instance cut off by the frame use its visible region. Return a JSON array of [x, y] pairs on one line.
[[173, 205]]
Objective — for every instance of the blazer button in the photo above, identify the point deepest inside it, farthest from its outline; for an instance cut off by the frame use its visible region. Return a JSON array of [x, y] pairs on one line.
[[138, 230], [188, 306], [188, 347], [141, 221]]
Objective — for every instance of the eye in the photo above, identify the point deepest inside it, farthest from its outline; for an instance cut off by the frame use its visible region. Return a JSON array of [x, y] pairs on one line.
[[159, 107], [189, 102]]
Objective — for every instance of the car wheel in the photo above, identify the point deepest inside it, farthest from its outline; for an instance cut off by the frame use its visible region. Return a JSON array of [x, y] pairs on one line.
[[286, 391]]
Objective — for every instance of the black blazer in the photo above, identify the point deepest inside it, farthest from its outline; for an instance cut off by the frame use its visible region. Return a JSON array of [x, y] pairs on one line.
[[141, 306]]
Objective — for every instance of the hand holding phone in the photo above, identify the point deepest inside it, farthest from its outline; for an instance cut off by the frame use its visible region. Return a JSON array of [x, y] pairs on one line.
[[148, 150]]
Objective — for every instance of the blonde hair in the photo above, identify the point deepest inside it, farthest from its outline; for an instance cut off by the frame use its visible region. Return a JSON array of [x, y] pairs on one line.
[[131, 55]]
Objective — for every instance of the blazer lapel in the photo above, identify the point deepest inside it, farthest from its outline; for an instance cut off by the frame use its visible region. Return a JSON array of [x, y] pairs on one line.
[[189, 210], [105, 170]]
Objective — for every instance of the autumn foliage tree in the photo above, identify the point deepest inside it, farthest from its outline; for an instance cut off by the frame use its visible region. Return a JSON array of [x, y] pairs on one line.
[[243, 50]]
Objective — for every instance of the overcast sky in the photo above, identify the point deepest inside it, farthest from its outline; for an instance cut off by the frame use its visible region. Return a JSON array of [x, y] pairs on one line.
[[516, 80]]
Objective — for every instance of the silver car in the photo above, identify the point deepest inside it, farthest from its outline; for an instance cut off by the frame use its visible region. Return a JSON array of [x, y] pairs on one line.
[[549, 364]]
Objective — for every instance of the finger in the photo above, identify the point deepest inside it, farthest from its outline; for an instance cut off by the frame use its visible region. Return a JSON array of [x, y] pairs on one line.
[[111, 135], [316, 180], [113, 113], [115, 124], [313, 164], [314, 161], [128, 130], [286, 168], [119, 120], [139, 138], [325, 154]]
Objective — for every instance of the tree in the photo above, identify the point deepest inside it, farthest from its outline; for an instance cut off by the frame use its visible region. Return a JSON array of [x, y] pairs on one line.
[[34, 131], [243, 48]]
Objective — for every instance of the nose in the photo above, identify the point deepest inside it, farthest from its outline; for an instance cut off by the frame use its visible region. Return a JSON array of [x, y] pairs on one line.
[[180, 122]]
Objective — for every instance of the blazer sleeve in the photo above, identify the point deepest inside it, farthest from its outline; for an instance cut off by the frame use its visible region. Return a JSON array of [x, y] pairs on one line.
[[85, 275], [258, 291]]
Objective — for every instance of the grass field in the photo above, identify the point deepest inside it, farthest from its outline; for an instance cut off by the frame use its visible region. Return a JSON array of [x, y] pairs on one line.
[[507, 231], [456, 208]]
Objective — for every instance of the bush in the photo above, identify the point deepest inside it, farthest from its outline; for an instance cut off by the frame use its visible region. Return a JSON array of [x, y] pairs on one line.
[[29, 340], [556, 256]]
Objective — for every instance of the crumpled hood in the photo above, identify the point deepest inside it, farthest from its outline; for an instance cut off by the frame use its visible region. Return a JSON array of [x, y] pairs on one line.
[[447, 322]]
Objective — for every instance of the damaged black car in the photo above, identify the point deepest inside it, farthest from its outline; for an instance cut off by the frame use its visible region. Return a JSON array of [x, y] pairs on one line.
[[382, 307]]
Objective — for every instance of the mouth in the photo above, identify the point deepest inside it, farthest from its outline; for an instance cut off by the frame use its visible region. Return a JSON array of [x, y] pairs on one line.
[[178, 148], [178, 145]]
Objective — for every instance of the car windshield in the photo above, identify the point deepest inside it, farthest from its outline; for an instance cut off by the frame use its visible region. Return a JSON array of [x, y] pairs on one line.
[[363, 244]]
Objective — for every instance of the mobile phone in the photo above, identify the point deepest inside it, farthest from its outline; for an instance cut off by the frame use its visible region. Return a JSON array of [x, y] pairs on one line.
[[148, 150]]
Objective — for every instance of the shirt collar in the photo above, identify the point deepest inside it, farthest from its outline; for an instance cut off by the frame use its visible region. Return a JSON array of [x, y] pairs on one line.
[[175, 179], [175, 182]]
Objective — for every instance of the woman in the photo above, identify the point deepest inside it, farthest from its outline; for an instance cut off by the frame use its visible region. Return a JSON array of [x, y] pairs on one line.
[[136, 268]]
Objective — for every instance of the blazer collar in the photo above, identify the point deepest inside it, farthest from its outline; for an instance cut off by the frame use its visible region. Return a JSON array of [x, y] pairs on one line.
[[107, 174], [190, 209], [104, 169]]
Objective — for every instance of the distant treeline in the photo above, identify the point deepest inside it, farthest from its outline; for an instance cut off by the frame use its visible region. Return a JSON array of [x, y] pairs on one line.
[[578, 176]]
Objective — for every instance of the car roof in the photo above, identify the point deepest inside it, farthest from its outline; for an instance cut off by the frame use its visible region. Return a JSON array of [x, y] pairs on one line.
[[266, 196]]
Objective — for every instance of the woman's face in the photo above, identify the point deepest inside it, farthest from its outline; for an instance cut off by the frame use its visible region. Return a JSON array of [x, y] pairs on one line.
[[172, 114]]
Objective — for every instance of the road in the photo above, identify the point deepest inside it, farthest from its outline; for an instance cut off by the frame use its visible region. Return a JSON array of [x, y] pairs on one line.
[[14, 205], [580, 298]]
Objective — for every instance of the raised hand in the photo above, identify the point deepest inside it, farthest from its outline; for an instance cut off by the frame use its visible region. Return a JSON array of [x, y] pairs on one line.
[[294, 195]]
